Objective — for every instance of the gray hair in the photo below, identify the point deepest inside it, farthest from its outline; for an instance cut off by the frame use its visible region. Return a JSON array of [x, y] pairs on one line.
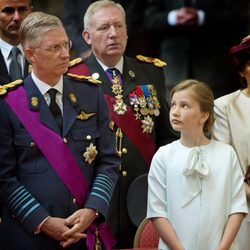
[[97, 6], [36, 24]]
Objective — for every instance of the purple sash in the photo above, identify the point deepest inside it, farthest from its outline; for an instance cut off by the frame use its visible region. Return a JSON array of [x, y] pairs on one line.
[[51, 145], [58, 155]]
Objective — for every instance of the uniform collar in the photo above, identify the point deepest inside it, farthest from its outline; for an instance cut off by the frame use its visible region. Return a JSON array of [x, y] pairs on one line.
[[44, 87], [118, 66]]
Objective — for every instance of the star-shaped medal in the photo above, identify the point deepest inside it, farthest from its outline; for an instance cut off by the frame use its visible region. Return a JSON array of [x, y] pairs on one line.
[[147, 125], [90, 153]]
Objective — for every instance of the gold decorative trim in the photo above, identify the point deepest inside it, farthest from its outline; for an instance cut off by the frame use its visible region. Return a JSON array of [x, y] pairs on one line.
[[157, 62]]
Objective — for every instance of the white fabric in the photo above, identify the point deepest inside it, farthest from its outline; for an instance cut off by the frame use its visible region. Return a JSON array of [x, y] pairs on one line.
[[44, 87], [196, 169], [198, 225], [232, 126]]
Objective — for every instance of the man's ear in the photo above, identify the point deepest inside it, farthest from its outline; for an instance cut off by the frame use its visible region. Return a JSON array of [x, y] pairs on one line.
[[86, 36], [29, 55]]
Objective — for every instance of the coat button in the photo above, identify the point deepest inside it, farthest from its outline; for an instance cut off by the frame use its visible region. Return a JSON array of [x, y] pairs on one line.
[[124, 173], [74, 201], [65, 140], [88, 137], [124, 151], [32, 144]]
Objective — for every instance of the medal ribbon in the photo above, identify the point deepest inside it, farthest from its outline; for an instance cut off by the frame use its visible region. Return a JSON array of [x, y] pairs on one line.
[[132, 129]]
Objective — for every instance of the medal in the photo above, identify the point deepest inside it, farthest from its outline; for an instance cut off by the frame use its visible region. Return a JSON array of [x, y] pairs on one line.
[[120, 107], [147, 125], [90, 153]]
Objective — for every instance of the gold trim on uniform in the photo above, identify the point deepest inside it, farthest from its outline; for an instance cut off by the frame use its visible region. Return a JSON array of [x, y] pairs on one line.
[[131, 73], [84, 116], [111, 125], [157, 62], [75, 61], [34, 101], [72, 98], [4, 88], [85, 78], [90, 153]]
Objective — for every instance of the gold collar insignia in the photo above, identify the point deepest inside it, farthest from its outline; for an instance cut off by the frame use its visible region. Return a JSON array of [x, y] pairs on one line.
[[34, 101], [72, 98]]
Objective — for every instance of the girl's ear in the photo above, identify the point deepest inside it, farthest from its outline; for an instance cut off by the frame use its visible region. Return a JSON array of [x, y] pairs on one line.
[[204, 117]]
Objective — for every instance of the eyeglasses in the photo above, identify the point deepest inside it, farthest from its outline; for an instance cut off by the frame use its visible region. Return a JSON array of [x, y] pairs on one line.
[[57, 48]]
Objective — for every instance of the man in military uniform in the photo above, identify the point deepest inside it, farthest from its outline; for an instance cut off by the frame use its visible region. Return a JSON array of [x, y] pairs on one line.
[[57, 153], [135, 92]]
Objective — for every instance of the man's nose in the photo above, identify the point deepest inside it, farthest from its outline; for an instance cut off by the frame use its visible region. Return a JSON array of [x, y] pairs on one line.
[[16, 15], [112, 31]]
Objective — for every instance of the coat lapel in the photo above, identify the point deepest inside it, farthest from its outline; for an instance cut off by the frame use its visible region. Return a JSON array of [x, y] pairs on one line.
[[4, 75], [37, 103], [69, 106]]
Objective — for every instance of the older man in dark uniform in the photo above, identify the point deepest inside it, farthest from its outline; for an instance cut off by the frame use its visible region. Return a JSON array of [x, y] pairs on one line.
[[135, 92], [57, 153]]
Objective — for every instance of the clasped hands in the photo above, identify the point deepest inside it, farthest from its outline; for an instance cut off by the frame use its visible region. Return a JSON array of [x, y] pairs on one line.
[[71, 229]]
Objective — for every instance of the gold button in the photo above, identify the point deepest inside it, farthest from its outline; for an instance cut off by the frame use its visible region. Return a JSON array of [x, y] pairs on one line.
[[124, 173], [32, 144], [74, 201], [65, 140], [88, 137], [124, 151]]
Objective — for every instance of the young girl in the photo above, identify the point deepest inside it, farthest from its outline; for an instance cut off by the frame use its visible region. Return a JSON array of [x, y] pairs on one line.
[[196, 198]]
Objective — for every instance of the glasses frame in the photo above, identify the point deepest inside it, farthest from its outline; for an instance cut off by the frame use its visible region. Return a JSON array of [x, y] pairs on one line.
[[57, 48]]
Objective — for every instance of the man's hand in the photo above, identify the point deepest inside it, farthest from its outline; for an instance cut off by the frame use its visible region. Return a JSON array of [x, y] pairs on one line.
[[79, 221], [54, 228]]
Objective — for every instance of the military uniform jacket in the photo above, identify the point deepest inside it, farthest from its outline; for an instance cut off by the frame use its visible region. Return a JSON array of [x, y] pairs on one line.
[[135, 73], [30, 189]]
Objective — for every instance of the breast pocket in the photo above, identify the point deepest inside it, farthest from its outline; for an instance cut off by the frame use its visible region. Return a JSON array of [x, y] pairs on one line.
[[85, 141], [29, 157]]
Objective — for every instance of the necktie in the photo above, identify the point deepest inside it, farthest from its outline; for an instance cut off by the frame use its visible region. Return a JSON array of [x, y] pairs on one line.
[[54, 108], [15, 67]]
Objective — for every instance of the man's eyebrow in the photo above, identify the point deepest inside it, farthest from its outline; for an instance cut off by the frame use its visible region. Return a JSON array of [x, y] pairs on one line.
[[9, 9]]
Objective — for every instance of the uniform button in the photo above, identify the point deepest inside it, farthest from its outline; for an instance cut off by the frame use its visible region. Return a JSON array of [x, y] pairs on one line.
[[65, 140], [124, 173], [32, 144], [124, 151], [74, 201], [88, 137]]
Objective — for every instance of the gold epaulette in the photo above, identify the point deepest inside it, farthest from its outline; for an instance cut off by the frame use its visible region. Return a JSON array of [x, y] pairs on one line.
[[30, 68], [75, 61], [84, 78], [9, 86], [157, 62]]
